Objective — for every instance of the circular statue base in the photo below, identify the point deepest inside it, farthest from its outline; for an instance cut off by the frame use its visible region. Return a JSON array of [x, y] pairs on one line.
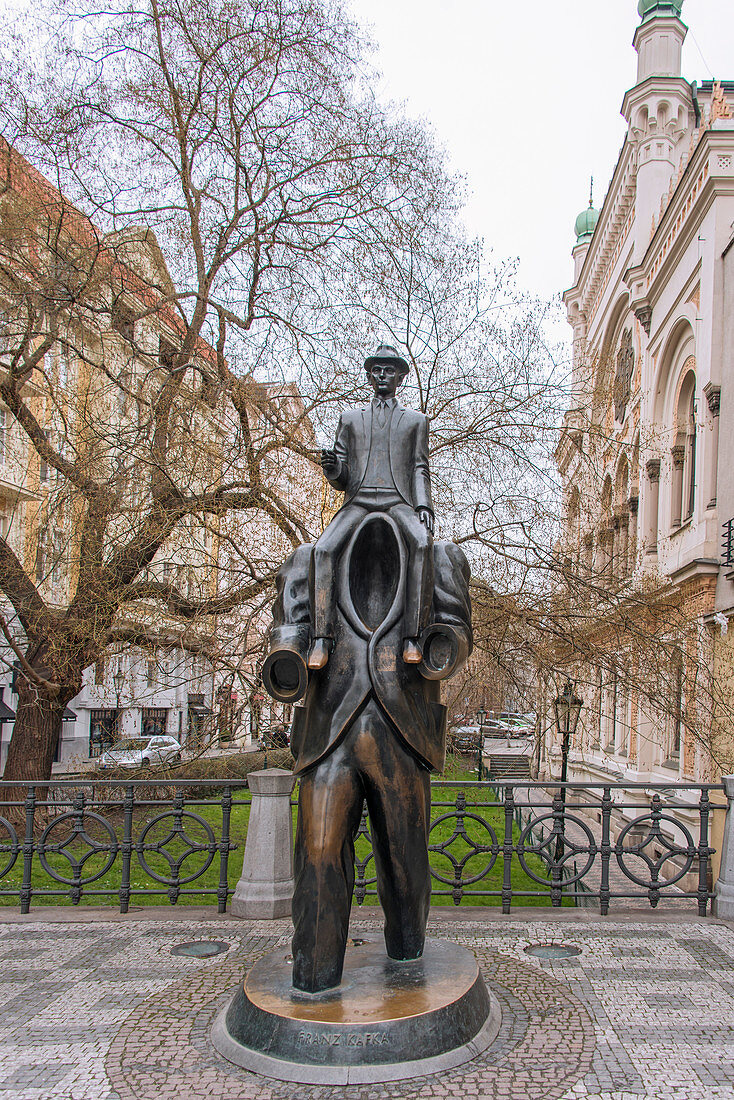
[[387, 1020]]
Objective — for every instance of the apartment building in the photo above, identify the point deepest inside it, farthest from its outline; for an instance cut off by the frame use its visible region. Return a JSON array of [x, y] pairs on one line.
[[94, 324]]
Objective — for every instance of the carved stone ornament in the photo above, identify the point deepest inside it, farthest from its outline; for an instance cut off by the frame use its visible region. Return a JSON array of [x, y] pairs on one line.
[[712, 393], [644, 316], [623, 378], [719, 105], [653, 469]]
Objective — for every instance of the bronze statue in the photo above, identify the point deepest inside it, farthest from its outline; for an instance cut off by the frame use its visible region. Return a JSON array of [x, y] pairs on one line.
[[366, 624]]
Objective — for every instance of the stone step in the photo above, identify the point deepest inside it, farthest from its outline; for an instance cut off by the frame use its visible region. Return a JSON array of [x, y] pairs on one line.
[[513, 767]]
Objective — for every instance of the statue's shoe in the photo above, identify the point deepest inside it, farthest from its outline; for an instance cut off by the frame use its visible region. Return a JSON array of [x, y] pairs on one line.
[[319, 653], [412, 654]]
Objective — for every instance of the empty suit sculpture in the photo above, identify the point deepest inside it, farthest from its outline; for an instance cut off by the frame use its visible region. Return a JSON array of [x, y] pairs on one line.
[[367, 623]]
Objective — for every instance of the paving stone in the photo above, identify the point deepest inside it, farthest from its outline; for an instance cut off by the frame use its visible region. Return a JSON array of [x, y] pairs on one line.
[[105, 1012]]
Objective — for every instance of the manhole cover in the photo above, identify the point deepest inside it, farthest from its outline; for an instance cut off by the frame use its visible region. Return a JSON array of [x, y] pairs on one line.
[[200, 949], [552, 951]]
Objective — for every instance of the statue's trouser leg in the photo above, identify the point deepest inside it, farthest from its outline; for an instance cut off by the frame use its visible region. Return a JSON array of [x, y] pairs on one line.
[[419, 581], [324, 568], [370, 762], [329, 812], [398, 793]]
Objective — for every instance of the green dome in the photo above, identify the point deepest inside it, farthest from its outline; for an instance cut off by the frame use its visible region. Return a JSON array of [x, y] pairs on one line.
[[586, 223], [662, 7]]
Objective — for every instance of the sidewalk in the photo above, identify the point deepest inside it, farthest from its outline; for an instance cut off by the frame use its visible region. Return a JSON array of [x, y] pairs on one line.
[[94, 1006]]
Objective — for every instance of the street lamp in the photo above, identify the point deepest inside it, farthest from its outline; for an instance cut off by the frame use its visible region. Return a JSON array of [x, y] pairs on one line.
[[481, 715], [568, 708], [118, 678]]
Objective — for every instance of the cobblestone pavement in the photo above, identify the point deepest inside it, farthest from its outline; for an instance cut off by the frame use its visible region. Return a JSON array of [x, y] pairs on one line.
[[99, 1009]]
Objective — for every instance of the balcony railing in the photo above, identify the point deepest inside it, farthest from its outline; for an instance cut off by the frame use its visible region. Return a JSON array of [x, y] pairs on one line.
[[500, 842]]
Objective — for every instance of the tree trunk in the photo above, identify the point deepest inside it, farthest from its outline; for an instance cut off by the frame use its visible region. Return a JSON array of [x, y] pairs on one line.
[[36, 731]]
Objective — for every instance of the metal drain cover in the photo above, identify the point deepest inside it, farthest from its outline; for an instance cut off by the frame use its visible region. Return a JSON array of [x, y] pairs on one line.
[[200, 949], [552, 950]]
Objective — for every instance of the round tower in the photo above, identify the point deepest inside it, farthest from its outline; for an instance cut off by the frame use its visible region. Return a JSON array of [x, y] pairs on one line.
[[658, 110]]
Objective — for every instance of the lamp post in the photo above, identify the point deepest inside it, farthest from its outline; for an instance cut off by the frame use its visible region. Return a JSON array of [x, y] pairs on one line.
[[118, 678], [481, 715], [567, 707]]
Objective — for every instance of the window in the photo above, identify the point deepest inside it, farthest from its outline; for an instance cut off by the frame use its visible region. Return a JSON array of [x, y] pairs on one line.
[[103, 730], [42, 470], [596, 731], [683, 451], [154, 721], [123, 321], [690, 459], [609, 707], [62, 365], [58, 558], [676, 724], [41, 553], [166, 354]]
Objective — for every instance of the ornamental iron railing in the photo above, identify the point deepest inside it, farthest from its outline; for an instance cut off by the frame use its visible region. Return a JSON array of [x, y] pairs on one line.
[[727, 542], [490, 843]]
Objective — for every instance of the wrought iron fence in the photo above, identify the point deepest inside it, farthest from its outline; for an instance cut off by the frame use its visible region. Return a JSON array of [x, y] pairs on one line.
[[490, 842], [109, 839], [620, 841]]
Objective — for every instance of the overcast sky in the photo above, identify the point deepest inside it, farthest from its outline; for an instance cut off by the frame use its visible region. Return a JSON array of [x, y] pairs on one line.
[[525, 96]]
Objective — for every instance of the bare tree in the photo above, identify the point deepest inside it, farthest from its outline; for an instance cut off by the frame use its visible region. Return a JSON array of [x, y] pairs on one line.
[[147, 397]]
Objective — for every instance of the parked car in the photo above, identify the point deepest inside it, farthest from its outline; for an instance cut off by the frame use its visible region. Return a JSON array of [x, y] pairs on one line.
[[464, 739], [141, 752]]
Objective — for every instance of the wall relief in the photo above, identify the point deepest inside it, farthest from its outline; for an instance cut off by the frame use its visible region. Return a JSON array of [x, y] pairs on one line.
[[623, 378]]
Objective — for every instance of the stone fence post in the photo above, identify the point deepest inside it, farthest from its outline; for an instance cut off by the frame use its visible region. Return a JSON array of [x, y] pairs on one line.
[[265, 888], [724, 891]]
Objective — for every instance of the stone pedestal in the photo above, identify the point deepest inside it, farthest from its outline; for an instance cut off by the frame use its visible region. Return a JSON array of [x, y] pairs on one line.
[[387, 1021], [723, 906], [265, 889]]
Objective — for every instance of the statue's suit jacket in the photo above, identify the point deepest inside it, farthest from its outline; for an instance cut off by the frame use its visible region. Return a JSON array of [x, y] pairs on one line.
[[408, 454], [360, 665]]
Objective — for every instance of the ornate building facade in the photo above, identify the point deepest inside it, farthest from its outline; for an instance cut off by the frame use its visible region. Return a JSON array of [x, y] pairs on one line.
[[645, 453]]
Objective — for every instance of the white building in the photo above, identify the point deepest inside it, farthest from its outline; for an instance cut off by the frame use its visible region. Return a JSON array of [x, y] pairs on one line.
[[644, 461]]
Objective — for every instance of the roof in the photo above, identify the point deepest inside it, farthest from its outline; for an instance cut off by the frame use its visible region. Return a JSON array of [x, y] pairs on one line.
[[17, 174]]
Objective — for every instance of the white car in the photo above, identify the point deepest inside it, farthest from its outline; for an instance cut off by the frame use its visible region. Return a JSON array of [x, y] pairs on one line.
[[141, 752]]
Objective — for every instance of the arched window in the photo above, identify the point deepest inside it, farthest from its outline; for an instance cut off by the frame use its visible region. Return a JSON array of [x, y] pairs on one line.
[[689, 466], [675, 739], [683, 451], [606, 531], [621, 519], [574, 528]]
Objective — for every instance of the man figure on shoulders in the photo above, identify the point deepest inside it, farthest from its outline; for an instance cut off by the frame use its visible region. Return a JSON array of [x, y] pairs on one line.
[[380, 461]]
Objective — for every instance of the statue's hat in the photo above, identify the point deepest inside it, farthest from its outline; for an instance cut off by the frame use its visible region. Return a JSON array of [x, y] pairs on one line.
[[387, 354]]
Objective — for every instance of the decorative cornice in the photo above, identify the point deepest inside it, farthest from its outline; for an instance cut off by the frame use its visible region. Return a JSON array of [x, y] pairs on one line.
[[678, 452]]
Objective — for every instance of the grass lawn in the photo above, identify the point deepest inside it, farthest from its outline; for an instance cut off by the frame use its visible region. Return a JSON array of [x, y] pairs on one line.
[[463, 842]]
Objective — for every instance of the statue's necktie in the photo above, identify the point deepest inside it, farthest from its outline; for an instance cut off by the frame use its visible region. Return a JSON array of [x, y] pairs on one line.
[[381, 414]]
